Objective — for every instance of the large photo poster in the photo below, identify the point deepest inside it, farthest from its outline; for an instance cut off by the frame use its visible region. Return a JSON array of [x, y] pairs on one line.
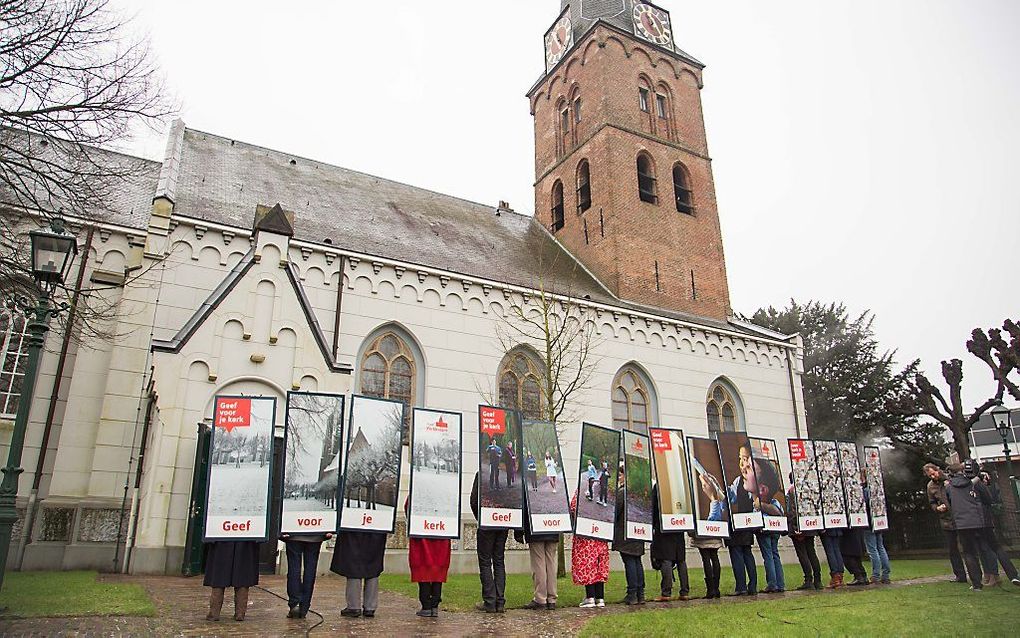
[[850, 469], [876, 487], [807, 490], [500, 484], [741, 481], [672, 480], [771, 488], [830, 482], [311, 464], [372, 468], [597, 481], [436, 452], [711, 509], [637, 486], [240, 466], [545, 485]]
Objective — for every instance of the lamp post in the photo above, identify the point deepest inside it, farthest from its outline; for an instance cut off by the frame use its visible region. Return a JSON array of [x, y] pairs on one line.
[[1000, 416], [52, 254]]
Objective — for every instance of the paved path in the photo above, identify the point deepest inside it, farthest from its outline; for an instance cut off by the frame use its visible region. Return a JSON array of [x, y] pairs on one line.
[[181, 605]]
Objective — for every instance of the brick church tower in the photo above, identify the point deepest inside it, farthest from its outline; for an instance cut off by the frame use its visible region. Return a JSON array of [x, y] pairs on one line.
[[623, 178]]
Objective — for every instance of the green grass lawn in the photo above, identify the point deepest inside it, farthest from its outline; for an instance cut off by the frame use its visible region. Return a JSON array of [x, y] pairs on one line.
[[462, 591], [939, 609], [29, 594]]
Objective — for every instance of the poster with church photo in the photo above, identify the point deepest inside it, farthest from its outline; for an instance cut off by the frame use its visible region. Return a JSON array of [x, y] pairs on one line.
[[711, 506], [876, 487], [371, 483], [672, 480], [770, 487], [436, 451], [637, 487], [807, 492], [741, 481], [830, 482], [500, 484], [545, 485], [311, 464], [850, 470], [240, 467]]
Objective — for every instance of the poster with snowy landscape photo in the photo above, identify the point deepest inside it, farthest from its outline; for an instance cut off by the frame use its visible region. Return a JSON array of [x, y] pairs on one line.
[[545, 485], [500, 484], [850, 469], [672, 479], [240, 466], [807, 491], [830, 482], [311, 464], [876, 486], [436, 457], [372, 469]]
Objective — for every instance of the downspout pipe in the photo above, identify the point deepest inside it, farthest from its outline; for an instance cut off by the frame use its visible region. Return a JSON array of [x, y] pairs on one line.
[[137, 502]]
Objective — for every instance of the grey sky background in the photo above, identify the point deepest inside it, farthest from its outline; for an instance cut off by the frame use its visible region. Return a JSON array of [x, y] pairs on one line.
[[864, 151]]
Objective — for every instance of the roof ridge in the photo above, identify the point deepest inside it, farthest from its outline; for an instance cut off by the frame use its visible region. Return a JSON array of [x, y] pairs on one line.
[[352, 170]]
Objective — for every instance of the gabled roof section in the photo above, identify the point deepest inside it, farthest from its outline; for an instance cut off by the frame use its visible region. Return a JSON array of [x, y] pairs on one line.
[[228, 284], [275, 221]]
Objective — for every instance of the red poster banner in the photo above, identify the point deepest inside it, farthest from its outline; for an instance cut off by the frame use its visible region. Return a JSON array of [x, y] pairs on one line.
[[233, 413], [493, 421], [797, 452], [660, 440]]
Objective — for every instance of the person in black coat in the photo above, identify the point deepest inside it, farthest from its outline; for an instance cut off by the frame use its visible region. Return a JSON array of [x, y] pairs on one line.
[[231, 564], [631, 552], [358, 557], [967, 501], [669, 551], [851, 546]]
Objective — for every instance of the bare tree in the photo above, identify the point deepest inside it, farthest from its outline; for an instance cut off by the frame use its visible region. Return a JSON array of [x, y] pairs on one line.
[[73, 84], [1002, 357]]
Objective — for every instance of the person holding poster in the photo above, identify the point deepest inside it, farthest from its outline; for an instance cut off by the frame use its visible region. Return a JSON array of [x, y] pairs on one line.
[[231, 564], [435, 474], [302, 563], [372, 468], [600, 461], [589, 562], [676, 510], [803, 541], [637, 487], [709, 548], [499, 437], [668, 553], [873, 540], [630, 550], [490, 544], [711, 505], [358, 557], [429, 560], [542, 552], [769, 489]]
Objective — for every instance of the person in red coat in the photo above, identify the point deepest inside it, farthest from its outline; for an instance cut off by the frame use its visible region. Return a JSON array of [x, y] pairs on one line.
[[589, 566], [429, 559]]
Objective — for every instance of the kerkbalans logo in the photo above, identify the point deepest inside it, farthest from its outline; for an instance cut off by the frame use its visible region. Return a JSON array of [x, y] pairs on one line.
[[439, 426]]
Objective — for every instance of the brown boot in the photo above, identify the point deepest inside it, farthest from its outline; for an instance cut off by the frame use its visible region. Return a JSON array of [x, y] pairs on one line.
[[839, 581], [240, 602], [215, 604]]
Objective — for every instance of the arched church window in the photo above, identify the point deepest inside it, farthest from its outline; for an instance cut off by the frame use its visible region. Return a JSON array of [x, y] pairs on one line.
[[646, 179], [13, 356], [557, 206], [723, 409], [633, 401], [388, 369], [682, 190], [520, 378], [583, 187]]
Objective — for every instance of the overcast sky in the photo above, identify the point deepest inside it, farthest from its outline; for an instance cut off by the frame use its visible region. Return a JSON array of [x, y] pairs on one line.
[[864, 151]]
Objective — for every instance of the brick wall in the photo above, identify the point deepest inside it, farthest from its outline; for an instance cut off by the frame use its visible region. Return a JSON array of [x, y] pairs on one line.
[[643, 252]]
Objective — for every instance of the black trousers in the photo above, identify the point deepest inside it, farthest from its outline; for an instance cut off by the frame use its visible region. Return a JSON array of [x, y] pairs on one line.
[[596, 591], [971, 541], [952, 539], [993, 555], [494, 475], [713, 571], [492, 565], [855, 566], [302, 561], [805, 547], [430, 595]]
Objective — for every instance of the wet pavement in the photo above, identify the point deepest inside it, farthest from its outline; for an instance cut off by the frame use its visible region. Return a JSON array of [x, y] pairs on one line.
[[182, 603]]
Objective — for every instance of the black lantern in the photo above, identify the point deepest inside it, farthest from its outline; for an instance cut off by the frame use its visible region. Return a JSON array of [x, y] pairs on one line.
[[52, 253], [1000, 416]]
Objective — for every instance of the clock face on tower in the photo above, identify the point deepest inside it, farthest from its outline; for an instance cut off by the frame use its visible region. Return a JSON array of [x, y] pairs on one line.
[[558, 40], [652, 24]]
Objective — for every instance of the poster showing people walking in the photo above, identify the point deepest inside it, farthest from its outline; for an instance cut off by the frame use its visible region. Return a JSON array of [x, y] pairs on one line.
[[672, 478], [830, 482], [741, 481], [637, 485], [311, 465], [807, 492], [436, 450], [771, 491], [850, 470], [372, 469], [545, 485], [711, 509], [597, 481], [500, 484], [876, 488], [240, 466]]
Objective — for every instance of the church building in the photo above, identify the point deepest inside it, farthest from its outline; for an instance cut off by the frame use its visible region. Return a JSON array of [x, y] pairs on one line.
[[235, 269]]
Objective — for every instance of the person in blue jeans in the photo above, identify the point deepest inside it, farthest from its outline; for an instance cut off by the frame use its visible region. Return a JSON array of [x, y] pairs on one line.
[[302, 564], [874, 543], [834, 556], [745, 573], [767, 485]]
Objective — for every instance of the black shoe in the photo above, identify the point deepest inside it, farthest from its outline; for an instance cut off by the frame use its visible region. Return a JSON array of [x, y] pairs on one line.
[[424, 613], [292, 613], [630, 600], [486, 608], [550, 605], [435, 612], [958, 580], [752, 592], [818, 584], [500, 609], [350, 613], [369, 613], [534, 604], [736, 593], [806, 586]]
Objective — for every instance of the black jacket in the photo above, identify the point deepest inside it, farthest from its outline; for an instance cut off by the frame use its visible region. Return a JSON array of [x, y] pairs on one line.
[[358, 554], [968, 501], [620, 542], [665, 545], [525, 535], [474, 496]]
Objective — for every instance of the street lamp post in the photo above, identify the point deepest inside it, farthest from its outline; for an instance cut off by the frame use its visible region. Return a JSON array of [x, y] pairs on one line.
[[1000, 416], [52, 254]]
